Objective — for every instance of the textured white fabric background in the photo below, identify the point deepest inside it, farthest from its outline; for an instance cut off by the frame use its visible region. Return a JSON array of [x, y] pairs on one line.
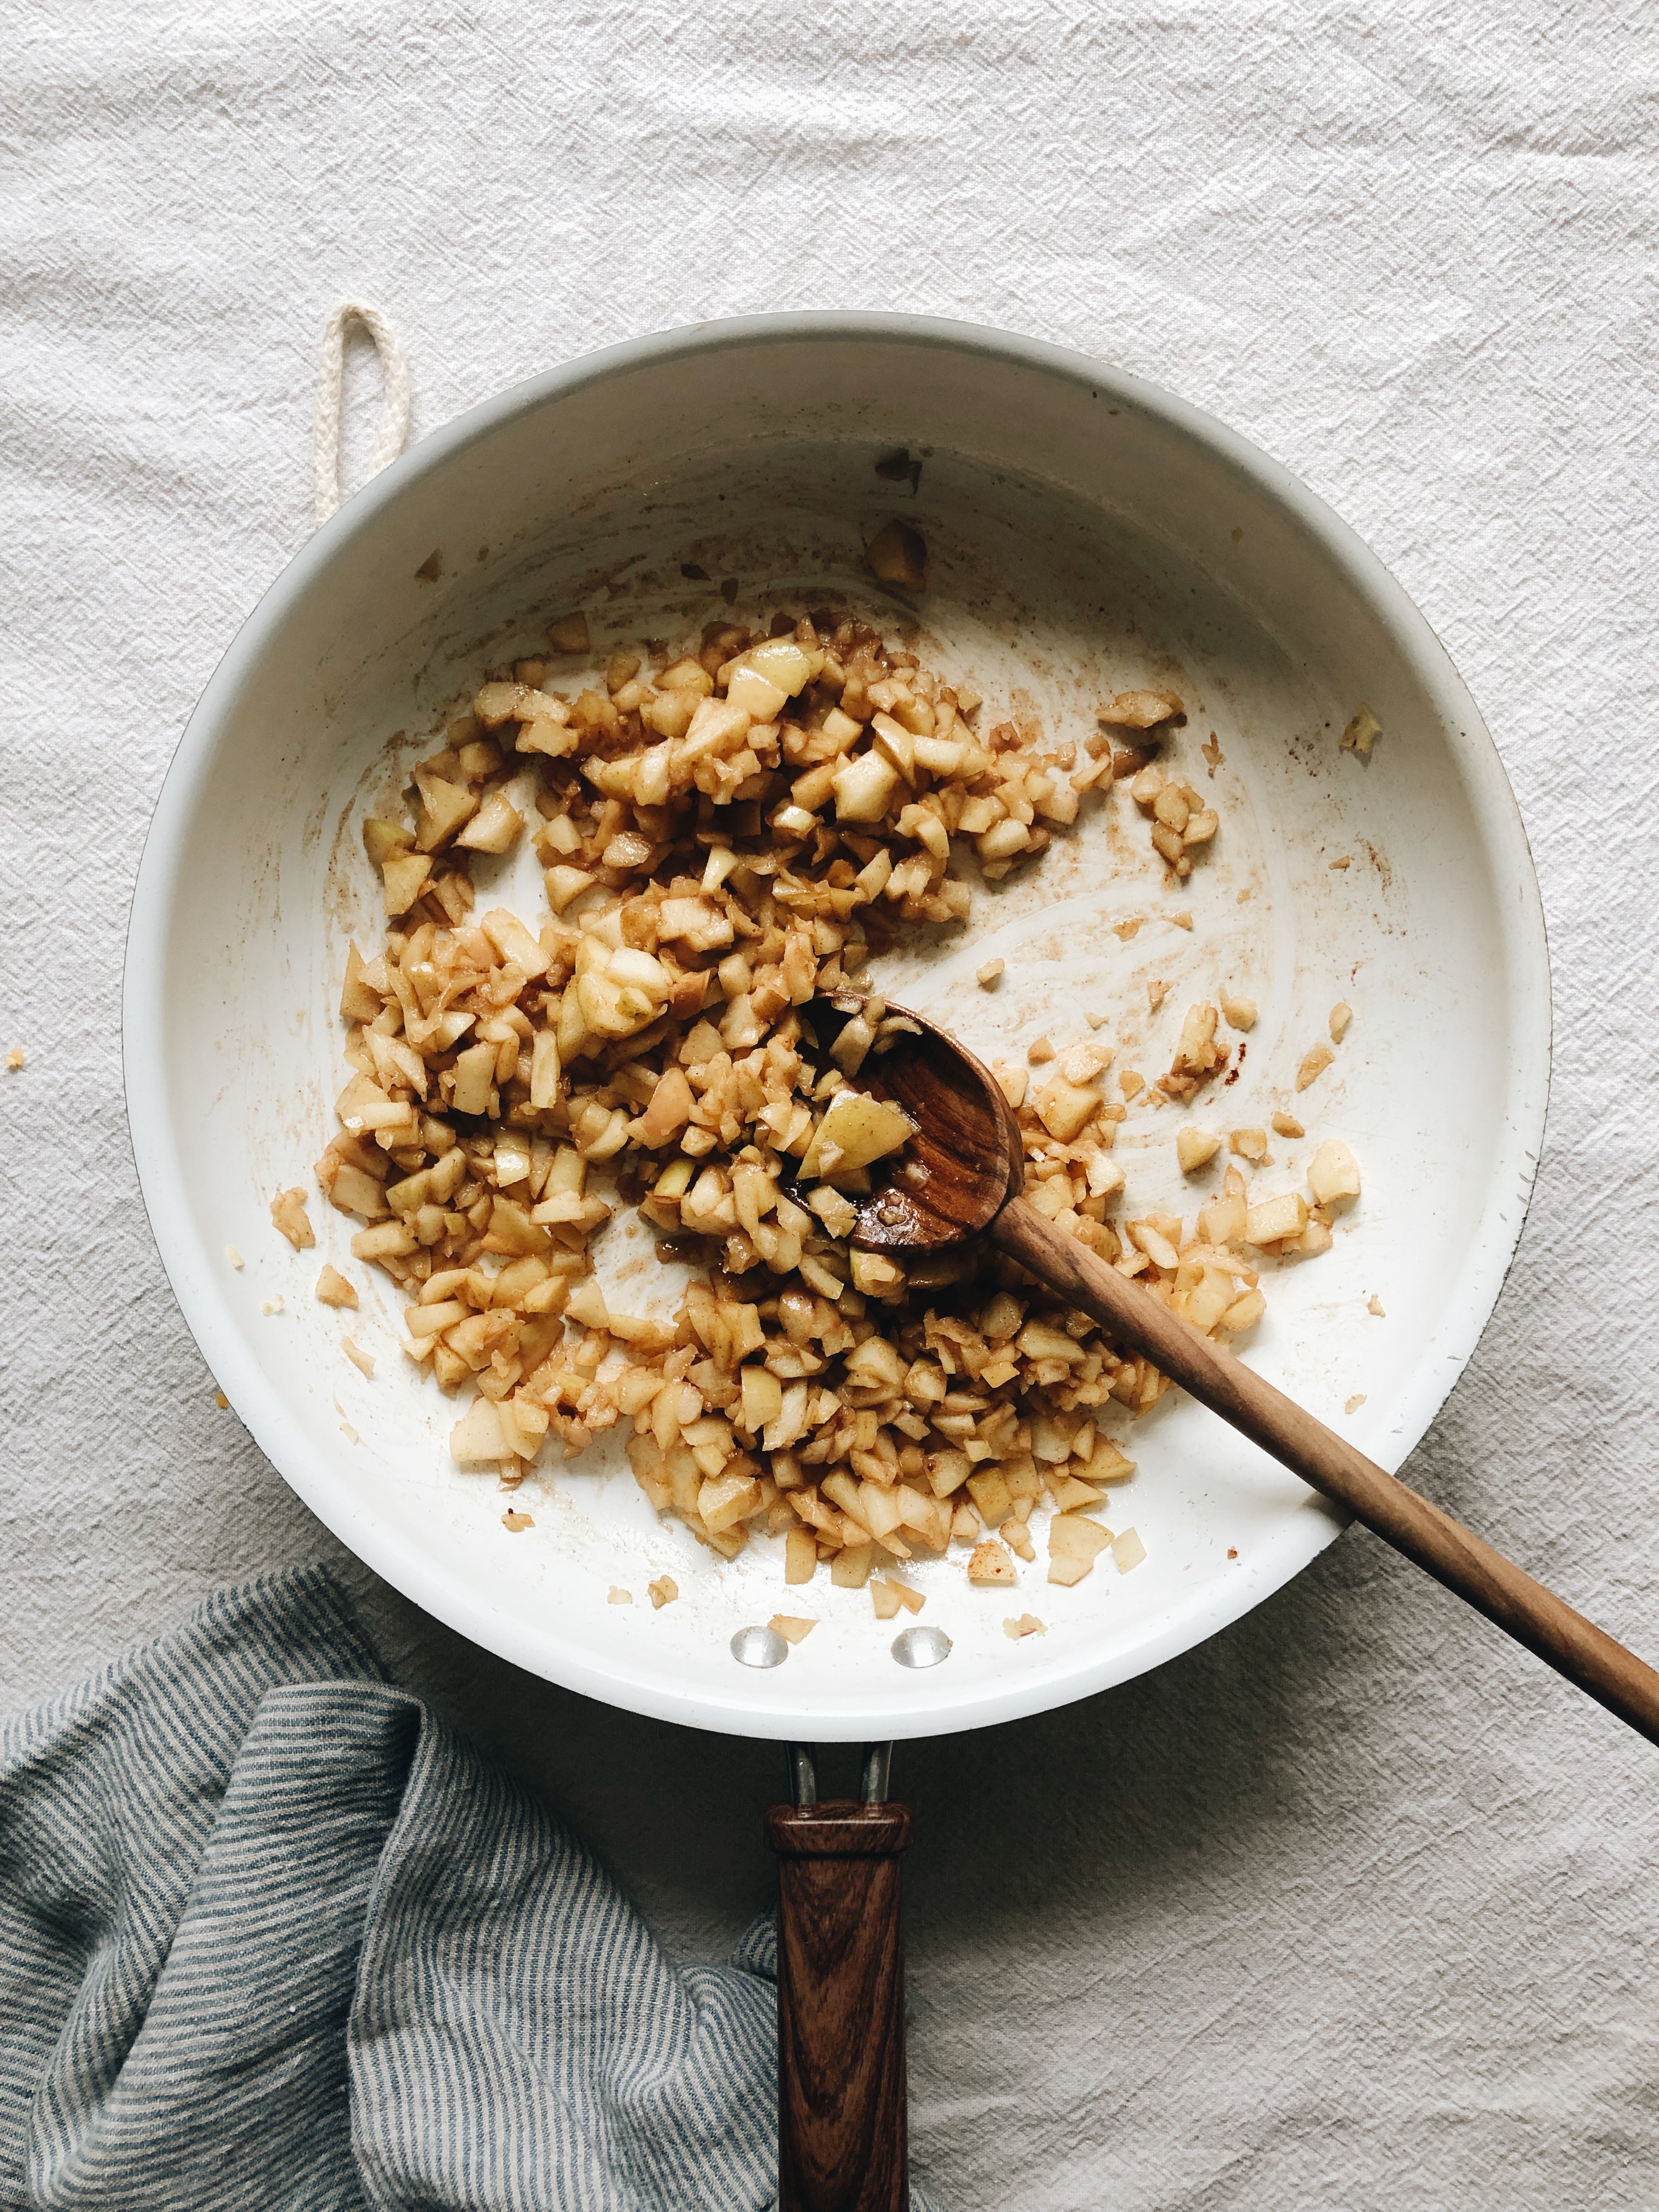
[[1356, 1907]]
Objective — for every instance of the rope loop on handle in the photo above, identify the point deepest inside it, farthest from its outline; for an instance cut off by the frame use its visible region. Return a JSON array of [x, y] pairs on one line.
[[393, 435]]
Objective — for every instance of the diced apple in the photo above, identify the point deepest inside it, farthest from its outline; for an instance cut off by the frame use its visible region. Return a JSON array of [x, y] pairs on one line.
[[990, 1564], [288, 1212], [898, 556], [494, 828], [359, 1001], [565, 885], [444, 807], [800, 1556], [762, 1398], [545, 1071], [864, 787], [474, 1076], [1276, 1217], [1073, 1546], [791, 1627], [386, 841], [354, 1191], [1065, 1108], [404, 876], [990, 1493], [725, 1499], [1195, 1148], [477, 1437], [782, 662], [859, 1129], [758, 697], [1106, 1463], [697, 922], [1334, 1173]]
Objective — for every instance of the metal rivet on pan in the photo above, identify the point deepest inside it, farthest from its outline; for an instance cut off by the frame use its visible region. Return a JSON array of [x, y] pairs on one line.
[[759, 1647], [921, 1647]]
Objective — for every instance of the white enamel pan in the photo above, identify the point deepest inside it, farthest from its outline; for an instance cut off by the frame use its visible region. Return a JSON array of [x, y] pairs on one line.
[[1087, 533]]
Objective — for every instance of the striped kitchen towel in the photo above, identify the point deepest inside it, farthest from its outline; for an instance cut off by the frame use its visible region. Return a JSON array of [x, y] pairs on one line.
[[272, 1938]]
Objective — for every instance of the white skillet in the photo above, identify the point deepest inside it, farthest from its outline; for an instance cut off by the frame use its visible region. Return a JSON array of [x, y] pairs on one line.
[[1087, 532]]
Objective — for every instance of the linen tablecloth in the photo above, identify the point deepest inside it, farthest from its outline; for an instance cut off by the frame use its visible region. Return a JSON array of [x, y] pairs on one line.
[[1355, 1906]]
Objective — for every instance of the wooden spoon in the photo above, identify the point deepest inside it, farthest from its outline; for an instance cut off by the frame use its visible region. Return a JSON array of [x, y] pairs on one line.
[[961, 1176]]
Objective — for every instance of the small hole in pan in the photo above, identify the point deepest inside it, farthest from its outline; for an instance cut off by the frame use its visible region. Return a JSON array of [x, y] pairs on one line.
[[759, 1647], [921, 1647]]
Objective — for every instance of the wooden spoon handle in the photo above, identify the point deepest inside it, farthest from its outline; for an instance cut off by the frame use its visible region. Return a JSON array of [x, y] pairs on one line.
[[1137, 1323], [843, 2102]]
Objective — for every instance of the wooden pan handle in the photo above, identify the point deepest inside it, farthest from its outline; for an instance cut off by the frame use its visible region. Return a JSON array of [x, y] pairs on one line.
[[841, 2099], [1137, 1323]]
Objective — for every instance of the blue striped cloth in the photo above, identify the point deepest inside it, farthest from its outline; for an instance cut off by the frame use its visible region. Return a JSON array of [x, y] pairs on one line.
[[272, 1938]]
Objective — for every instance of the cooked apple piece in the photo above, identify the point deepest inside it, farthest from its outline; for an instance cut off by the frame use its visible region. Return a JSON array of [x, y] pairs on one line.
[[1195, 1055], [477, 1437], [1071, 1496], [759, 698], [762, 1398], [1334, 1173], [1141, 710], [1276, 1217], [725, 1499], [865, 787], [1362, 733], [990, 1563], [354, 1191], [800, 1556], [494, 828], [1073, 1546], [1244, 1313], [781, 661], [898, 556], [445, 806], [1314, 1064], [475, 1074], [791, 1627], [404, 876], [514, 942], [856, 1129], [1195, 1148], [287, 1212], [333, 1288], [1105, 1463], [875, 1276], [565, 885], [1065, 1108], [386, 841], [359, 1001], [850, 1570], [569, 634]]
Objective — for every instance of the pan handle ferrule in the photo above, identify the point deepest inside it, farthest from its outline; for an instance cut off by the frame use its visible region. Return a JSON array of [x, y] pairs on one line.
[[803, 1774], [873, 1776]]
